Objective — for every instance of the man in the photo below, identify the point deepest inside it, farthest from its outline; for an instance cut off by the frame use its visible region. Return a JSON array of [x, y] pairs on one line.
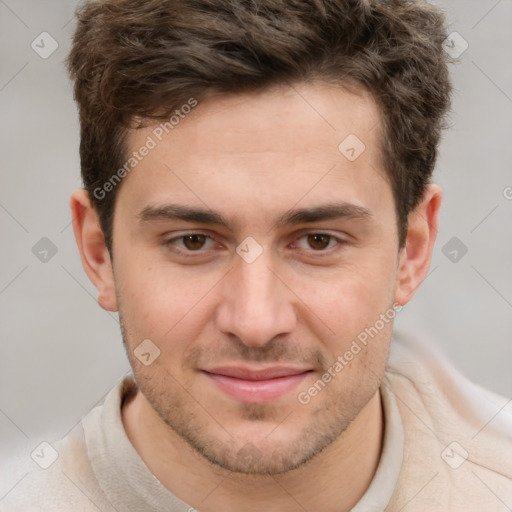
[[258, 208]]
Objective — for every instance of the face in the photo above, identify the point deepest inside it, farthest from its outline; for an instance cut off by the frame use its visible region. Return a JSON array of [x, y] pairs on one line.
[[253, 252]]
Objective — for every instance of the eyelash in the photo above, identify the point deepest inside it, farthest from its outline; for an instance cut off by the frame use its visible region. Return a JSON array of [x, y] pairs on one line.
[[200, 252]]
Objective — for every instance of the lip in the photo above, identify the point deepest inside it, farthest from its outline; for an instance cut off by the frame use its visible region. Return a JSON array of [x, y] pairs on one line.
[[256, 385]]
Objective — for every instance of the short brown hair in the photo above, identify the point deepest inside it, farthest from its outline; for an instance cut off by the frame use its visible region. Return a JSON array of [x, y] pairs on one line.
[[142, 59]]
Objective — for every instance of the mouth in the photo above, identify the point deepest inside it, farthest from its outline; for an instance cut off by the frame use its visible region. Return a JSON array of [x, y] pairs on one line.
[[256, 385]]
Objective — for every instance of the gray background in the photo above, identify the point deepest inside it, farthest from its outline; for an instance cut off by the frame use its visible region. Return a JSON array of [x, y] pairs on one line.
[[60, 352]]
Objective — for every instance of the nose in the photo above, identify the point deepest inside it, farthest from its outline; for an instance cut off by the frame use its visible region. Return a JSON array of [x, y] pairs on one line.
[[256, 304]]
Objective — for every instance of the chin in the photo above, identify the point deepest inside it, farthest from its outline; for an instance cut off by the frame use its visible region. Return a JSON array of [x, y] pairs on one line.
[[261, 455]]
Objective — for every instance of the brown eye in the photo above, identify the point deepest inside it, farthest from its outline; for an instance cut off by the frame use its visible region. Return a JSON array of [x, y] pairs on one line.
[[318, 241], [194, 242]]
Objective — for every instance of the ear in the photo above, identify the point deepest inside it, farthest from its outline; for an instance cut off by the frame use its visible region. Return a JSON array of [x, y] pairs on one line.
[[415, 257], [93, 251]]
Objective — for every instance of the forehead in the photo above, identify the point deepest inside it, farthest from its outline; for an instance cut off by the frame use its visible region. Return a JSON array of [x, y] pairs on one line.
[[269, 149], [315, 113]]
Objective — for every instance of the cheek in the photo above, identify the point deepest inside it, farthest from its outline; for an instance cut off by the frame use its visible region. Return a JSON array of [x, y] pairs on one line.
[[357, 293], [161, 304], [356, 305]]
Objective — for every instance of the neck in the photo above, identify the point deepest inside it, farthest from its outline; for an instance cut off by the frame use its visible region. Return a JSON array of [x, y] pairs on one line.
[[334, 480]]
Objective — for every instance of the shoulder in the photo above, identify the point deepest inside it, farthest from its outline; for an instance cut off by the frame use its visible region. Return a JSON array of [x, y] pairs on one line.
[[59, 476], [448, 399], [458, 435]]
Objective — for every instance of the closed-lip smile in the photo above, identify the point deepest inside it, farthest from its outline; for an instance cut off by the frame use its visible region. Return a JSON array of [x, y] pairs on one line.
[[256, 385]]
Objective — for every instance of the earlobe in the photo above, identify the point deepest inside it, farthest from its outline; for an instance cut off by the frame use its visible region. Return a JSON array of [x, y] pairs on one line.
[[93, 251], [416, 256]]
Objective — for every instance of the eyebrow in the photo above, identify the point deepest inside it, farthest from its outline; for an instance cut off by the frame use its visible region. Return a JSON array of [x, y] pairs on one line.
[[290, 218]]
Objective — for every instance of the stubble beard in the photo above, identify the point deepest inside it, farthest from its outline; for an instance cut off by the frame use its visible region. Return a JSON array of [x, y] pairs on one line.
[[194, 423]]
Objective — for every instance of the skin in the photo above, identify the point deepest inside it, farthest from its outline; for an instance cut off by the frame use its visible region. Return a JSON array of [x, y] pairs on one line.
[[252, 158]]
